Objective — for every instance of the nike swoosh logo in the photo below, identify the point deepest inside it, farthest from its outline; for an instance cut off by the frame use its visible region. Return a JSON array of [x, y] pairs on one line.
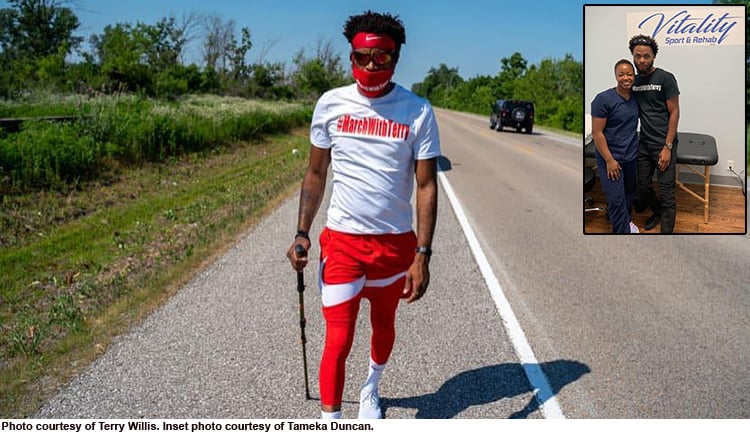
[[371, 37]]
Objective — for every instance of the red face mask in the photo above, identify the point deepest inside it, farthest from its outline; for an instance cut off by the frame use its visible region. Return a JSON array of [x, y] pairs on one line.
[[372, 83]]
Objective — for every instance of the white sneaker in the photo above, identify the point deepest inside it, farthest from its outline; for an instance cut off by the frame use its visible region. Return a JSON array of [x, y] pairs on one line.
[[633, 228], [369, 405]]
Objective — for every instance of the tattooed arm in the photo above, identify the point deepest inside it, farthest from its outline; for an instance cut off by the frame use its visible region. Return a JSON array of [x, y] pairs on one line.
[[311, 195]]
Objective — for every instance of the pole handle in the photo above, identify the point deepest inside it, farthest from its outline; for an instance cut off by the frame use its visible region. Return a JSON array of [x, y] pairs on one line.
[[300, 250]]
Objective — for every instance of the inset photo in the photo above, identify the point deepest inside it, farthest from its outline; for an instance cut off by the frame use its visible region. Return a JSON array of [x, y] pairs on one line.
[[665, 104]]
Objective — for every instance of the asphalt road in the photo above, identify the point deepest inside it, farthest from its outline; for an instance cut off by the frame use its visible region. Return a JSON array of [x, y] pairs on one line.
[[621, 327], [660, 321]]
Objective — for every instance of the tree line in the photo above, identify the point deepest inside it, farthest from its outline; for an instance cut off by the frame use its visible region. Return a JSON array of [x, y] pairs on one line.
[[37, 41], [554, 85]]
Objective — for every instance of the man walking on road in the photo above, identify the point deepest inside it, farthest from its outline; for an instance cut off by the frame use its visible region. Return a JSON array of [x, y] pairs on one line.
[[378, 139], [659, 109]]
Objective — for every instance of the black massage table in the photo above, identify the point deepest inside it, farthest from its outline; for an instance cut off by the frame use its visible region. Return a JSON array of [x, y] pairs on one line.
[[693, 149]]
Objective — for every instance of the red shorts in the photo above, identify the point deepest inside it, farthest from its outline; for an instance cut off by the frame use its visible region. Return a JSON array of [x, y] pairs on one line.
[[351, 262]]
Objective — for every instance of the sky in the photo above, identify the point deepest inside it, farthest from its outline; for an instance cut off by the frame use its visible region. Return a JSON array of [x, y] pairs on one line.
[[471, 35]]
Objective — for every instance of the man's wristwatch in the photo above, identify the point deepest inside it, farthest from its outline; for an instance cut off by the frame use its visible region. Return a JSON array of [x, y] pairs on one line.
[[669, 146], [425, 250], [303, 234]]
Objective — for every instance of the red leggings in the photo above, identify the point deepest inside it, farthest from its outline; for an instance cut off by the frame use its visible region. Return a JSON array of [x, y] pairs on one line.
[[340, 323], [350, 261]]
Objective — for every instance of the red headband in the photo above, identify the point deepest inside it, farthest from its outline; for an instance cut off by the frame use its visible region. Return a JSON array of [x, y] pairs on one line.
[[373, 40]]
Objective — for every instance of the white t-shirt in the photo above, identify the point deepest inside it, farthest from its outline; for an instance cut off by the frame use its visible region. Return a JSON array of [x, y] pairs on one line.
[[374, 143]]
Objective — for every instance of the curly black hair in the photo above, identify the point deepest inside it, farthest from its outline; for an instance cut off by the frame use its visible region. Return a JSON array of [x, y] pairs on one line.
[[374, 22], [643, 40]]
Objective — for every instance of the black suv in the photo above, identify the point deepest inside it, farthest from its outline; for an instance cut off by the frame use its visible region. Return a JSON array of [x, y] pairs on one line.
[[512, 113]]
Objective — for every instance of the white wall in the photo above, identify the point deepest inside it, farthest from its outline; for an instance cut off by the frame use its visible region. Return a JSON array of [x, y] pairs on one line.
[[711, 77]]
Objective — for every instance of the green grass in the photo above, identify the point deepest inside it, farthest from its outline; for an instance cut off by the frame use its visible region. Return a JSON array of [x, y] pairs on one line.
[[81, 266], [42, 104], [571, 134], [113, 131]]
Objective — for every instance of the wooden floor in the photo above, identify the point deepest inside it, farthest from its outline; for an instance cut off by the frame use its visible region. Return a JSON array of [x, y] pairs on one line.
[[726, 213]]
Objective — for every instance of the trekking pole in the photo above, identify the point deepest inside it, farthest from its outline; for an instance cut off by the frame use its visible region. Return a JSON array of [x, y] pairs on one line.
[[302, 321]]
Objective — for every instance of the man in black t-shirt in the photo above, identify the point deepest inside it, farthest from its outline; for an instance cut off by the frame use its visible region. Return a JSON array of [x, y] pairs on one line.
[[659, 111]]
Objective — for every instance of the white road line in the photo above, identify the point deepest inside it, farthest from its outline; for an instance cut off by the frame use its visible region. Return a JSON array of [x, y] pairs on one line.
[[548, 403], [566, 140]]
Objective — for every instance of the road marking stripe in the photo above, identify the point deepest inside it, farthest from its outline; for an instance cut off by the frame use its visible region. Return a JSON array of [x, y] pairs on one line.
[[525, 148], [548, 403]]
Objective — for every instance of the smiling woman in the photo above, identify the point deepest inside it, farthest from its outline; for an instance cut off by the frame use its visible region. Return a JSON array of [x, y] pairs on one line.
[[614, 119]]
